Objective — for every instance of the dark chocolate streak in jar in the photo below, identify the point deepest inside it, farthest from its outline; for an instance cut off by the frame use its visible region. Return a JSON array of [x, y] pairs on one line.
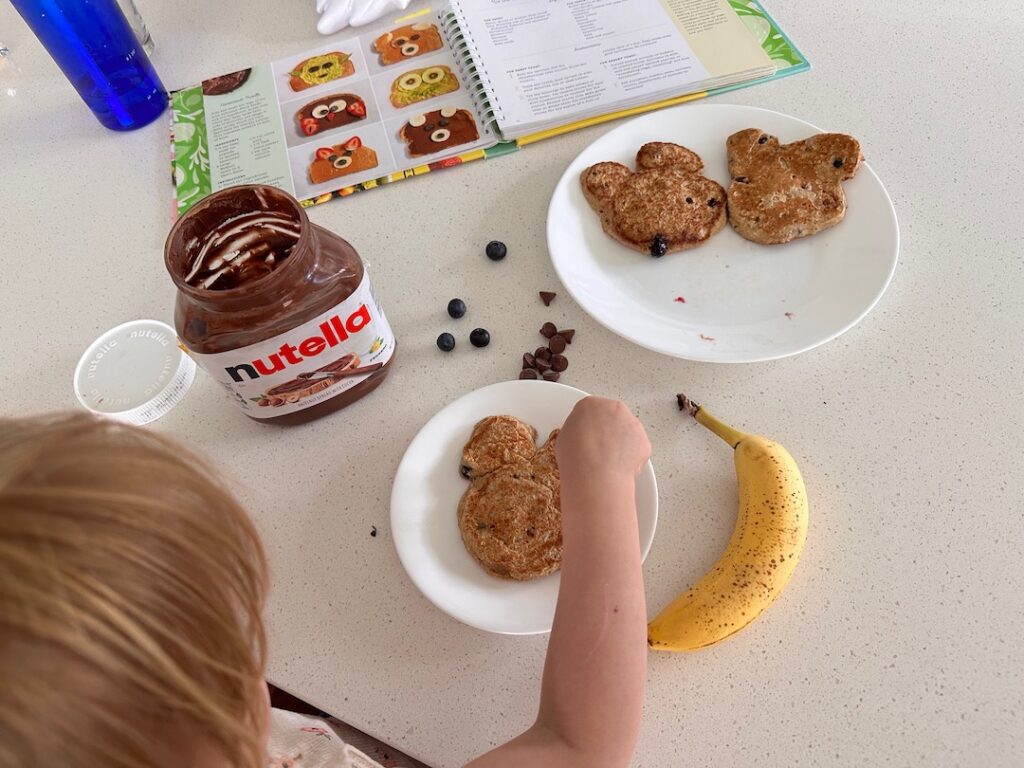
[[317, 273]]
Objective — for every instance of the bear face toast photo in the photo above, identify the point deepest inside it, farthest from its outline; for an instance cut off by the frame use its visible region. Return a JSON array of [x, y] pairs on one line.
[[663, 207], [422, 84], [510, 517], [782, 192], [341, 160], [438, 130], [317, 70], [407, 42], [328, 112]]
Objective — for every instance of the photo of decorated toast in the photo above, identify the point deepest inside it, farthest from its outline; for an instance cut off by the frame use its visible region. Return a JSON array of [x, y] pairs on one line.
[[438, 130], [329, 112], [317, 70], [341, 160], [421, 84], [407, 42]]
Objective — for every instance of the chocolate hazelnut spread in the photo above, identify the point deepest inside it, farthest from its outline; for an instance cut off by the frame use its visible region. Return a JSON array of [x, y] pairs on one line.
[[277, 309]]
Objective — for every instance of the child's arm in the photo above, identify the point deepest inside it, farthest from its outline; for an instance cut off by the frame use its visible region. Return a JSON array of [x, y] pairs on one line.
[[593, 688]]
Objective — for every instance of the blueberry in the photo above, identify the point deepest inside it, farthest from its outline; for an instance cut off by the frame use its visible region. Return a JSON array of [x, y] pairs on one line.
[[446, 342], [456, 308], [480, 337], [659, 246], [496, 250]]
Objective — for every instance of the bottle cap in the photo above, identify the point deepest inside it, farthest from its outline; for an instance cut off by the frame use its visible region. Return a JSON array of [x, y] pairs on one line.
[[134, 373]]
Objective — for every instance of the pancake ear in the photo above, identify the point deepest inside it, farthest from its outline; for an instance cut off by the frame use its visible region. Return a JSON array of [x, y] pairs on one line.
[[744, 146], [603, 180], [663, 154]]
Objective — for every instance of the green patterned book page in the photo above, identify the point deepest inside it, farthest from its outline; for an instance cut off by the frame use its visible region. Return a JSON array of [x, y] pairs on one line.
[[771, 38], [191, 153]]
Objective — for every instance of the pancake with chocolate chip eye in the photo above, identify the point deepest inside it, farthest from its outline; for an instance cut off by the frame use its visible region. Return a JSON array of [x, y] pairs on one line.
[[666, 205], [780, 192], [510, 517]]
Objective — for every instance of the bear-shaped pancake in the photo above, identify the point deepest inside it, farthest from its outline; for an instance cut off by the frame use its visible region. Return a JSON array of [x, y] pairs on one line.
[[781, 192], [510, 517], [665, 206]]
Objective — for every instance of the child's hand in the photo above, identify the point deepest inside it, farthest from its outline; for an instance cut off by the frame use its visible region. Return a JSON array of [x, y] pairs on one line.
[[602, 436]]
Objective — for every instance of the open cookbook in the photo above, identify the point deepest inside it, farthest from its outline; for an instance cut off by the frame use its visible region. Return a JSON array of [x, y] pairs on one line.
[[443, 85]]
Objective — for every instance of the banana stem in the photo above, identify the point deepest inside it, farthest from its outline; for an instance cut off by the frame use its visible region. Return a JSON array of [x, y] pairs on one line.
[[720, 428]]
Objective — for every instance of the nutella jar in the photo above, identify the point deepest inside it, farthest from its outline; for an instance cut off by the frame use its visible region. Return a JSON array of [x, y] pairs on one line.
[[278, 310]]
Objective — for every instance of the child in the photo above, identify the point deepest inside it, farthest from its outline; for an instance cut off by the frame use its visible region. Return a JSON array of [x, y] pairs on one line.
[[132, 584]]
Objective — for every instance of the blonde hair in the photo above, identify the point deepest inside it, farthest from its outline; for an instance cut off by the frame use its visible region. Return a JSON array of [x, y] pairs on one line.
[[131, 589]]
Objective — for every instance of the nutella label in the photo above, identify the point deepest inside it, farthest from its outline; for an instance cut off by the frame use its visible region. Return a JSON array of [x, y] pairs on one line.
[[311, 363]]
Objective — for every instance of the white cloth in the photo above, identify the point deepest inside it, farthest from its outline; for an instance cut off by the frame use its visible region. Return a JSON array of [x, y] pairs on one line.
[[338, 14], [300, 741]]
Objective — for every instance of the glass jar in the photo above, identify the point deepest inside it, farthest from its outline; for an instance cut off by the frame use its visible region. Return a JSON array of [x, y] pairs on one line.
[[278, 310]]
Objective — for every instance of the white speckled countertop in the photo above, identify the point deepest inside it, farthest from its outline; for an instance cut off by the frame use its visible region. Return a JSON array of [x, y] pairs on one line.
[[898, 641]]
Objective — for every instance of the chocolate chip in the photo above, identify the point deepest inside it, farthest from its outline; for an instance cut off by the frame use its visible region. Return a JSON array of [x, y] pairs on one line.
[[659, 246], [837, 163], [567, 334], [548, 330], [528, 373], [689, 200], [542, 353], [529, 361], [547, 297], [741, 180], [559, 363], [762, 139], [543, 365], [551, 376], [712, 202], [557, 344], [465, 470]]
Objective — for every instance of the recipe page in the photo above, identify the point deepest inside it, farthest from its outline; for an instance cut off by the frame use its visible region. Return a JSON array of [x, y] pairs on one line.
[[367, 104], [556, 60]]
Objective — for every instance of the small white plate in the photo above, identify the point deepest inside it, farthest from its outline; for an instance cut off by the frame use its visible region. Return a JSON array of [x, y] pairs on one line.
[[737, 293], [425, 499]]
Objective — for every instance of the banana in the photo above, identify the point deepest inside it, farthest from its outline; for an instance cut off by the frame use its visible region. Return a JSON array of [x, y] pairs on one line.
[[761, 556]]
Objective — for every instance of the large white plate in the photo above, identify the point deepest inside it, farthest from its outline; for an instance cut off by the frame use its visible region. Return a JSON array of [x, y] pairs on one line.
[[737, 292], [426, 495]]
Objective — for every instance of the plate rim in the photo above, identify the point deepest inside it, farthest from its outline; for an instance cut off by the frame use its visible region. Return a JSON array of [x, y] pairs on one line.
[[564, 181], [645, 546]]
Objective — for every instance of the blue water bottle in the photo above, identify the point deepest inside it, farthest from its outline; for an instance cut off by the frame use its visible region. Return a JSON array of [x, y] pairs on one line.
[[94, 46]]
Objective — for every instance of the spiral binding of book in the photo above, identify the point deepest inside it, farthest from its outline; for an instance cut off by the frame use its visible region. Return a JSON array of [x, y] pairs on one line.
[[474, 74]]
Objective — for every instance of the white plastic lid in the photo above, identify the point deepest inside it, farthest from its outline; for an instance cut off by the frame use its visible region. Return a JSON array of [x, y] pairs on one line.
[[135, 372]]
